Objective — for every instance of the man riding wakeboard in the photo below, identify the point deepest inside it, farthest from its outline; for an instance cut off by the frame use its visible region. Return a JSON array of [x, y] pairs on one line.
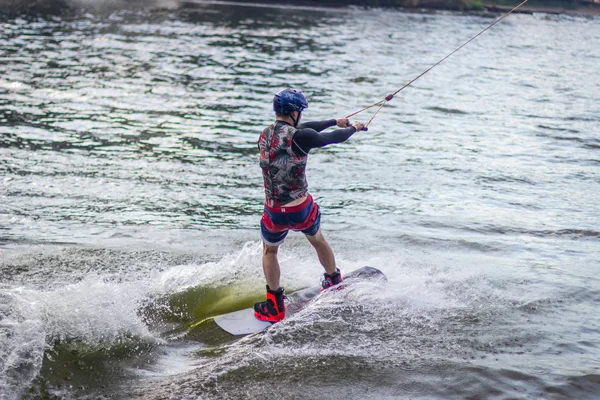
[[284, 146]]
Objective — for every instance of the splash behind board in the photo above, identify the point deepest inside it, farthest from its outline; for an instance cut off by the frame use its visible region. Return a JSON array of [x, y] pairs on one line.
[[243, 322]]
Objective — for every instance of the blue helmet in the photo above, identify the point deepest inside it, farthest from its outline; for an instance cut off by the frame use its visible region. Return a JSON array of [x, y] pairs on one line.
[[289, 100]]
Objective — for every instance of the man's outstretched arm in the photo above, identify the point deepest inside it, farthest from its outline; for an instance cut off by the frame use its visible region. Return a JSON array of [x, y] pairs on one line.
[[319, 125], [306, 139]]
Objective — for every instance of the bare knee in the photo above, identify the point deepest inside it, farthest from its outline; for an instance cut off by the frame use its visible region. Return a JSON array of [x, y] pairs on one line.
[[317, 239]]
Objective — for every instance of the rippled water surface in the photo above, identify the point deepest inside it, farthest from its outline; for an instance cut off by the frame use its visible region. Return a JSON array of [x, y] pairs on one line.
[[131, 194]]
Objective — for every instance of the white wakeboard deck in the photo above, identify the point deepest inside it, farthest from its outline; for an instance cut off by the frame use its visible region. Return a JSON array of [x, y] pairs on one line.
[[243, 322]]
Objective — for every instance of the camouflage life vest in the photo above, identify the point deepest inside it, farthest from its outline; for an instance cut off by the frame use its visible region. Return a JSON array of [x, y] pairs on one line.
[[283, 170]]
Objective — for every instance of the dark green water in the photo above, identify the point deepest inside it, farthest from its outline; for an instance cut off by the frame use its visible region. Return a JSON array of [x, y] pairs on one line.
[[131, 194]]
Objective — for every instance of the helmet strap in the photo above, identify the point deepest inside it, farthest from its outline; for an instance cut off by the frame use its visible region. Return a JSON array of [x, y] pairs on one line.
[[296, 120]]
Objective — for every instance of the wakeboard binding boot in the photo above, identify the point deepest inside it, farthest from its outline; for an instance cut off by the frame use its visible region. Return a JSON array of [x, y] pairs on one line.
[[331, 280], [273, 309]]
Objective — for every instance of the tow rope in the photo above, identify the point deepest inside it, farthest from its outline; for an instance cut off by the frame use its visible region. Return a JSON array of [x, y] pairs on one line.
[[389, 97]]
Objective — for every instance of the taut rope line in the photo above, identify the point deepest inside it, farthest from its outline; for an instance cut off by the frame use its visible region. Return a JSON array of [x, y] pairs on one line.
[[389, 97]]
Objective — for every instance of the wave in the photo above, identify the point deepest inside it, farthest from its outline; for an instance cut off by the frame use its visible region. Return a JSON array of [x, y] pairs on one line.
[[447, 110], [426, 314], [56, 331], [119, 326]]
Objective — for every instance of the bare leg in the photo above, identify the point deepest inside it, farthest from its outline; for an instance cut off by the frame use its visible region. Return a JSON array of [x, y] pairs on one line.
[[271, 266], [324, 251]]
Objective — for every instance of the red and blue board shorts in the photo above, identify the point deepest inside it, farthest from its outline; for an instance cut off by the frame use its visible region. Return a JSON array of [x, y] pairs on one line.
[[277, 221]]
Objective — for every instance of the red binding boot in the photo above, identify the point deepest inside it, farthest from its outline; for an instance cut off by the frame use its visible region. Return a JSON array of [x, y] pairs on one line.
[[331, 280], [273, 309]]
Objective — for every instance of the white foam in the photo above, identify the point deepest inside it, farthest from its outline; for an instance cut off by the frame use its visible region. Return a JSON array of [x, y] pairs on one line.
[[101, 309], [22, 343], [421, 295], [14, 86]]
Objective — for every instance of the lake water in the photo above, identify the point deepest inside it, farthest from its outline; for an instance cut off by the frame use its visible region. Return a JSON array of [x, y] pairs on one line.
[[131, 195]]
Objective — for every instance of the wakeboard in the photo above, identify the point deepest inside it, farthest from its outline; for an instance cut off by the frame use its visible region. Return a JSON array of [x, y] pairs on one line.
[[243, 322]]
